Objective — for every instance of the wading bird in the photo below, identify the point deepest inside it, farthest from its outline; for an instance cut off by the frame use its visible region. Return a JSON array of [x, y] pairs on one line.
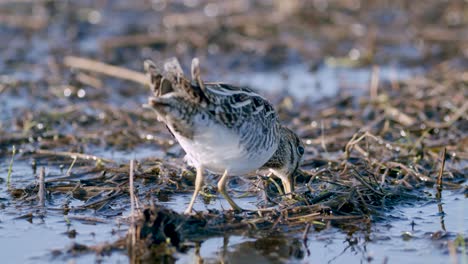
[[224, 129]]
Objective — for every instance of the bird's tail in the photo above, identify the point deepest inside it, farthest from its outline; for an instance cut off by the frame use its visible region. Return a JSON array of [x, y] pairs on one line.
[[157, 79], [170, 78]]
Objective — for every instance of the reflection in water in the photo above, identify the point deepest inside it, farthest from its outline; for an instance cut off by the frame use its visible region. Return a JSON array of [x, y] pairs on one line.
[[268, 249], [439, 192], [441, 209], [353, 247], [276, 248]]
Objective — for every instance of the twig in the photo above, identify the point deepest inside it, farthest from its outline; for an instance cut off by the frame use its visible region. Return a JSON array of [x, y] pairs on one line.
[[306, 233], [322, 137], [87, 218], [104, 68], [133, 228], [102, 200], [41, 192], [398, 116], [86, 188], [71, 166], [10, 167], [358, 176], [441, 172], [304, 216], [374, 83], [132, 193], [72, 155]]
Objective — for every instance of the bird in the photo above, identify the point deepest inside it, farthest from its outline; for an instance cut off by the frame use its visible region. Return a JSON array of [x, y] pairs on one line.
[[224, 129]]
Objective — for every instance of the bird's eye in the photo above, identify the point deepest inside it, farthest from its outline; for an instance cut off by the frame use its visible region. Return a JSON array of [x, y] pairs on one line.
[[300, 150]]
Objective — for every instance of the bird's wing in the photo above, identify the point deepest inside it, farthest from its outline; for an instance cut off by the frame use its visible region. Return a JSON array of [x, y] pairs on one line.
[[234, 105], [230, 105]]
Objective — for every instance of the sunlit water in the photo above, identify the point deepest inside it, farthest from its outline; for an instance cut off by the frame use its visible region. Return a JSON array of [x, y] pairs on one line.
[[394, 239], [327, 81]]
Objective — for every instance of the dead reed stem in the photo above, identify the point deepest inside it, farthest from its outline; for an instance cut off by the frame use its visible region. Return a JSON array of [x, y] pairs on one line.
[[72, 155], [42, 191], [104, 68]]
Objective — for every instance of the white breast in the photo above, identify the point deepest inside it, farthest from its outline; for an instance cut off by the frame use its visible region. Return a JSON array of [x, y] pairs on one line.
[[217, 149]]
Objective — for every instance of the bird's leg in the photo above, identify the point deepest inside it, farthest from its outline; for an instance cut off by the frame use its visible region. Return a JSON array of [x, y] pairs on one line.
[[222, 190], [198, 185]]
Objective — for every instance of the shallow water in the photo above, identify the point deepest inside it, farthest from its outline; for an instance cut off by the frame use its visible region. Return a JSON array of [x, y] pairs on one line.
[[299, 82], [394, 238], [29, 58]]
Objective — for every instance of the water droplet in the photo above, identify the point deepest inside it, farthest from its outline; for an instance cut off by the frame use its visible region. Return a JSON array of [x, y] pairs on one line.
[[67, 92], [94, 17], [81, 93]]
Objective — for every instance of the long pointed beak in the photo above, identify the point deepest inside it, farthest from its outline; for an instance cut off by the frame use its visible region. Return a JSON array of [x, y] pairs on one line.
[[288, 185]]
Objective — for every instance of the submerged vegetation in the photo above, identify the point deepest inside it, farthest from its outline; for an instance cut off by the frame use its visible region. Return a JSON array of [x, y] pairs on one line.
[[94, 151]]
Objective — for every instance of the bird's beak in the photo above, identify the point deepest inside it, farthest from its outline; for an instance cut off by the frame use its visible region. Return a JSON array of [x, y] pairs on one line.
[[288, 184]]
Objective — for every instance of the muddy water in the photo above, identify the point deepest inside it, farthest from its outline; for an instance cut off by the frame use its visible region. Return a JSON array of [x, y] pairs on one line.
[[414, 233], [395, 239]]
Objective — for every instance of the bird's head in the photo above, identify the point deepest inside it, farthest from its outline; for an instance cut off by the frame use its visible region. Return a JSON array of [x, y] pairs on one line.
[[287, 158]]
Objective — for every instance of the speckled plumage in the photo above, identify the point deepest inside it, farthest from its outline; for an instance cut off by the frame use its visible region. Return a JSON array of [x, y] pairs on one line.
[[223, 128]]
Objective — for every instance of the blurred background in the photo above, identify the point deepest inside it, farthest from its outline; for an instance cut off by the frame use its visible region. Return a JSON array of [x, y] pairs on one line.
[[299, 40], [309, 49]]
